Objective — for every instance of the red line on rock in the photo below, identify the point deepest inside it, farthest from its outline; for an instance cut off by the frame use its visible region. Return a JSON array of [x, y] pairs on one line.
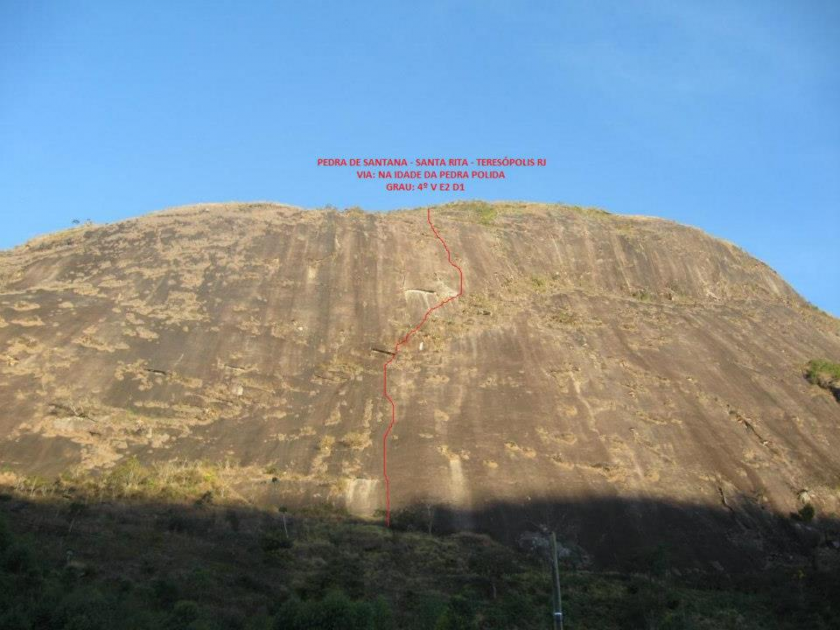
[[397, 346]]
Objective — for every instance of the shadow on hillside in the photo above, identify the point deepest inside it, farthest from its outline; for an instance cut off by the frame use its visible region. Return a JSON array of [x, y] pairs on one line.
[[613, 533], [601, 533], [152, 564]]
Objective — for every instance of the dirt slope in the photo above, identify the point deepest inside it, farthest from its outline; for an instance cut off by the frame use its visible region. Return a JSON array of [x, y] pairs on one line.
[[598, 367]]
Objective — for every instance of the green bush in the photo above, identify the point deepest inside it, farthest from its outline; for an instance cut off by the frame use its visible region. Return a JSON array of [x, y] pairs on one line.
[[819, 371], [484, 213], [460, 614], [539, 283], [425, 610], [805, 514], [335, 611], [416, 518]]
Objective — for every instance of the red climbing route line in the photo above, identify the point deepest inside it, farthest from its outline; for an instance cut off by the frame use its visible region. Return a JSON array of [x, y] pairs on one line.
[[402, 342]]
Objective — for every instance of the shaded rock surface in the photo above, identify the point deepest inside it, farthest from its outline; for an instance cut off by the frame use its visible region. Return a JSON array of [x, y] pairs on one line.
[[629, 361]]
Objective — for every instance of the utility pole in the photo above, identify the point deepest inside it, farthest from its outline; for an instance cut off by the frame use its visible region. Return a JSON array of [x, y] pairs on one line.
[[557, 597]]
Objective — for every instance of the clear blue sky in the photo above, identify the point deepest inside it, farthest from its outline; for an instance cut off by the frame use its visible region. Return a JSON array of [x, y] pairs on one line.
[[722, 115]]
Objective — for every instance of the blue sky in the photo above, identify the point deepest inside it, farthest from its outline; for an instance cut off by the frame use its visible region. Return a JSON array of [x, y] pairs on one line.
[[722, 115]]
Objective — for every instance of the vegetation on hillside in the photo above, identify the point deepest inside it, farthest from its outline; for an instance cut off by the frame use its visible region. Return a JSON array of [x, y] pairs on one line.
[[484, 213], [824, 373], [820, 369], [130, 480], [124, 550]]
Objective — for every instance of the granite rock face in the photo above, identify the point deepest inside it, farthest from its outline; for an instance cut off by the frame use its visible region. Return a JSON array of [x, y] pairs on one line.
[[605, 374]]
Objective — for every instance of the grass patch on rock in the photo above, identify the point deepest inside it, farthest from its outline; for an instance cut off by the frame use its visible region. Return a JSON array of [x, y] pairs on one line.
[[825, 374]]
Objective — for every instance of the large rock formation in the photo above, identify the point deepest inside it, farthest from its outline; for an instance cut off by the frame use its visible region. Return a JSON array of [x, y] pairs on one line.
[[604, 375]]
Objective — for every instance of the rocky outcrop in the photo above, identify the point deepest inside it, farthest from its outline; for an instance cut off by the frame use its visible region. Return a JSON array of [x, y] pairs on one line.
[[593, 358]]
